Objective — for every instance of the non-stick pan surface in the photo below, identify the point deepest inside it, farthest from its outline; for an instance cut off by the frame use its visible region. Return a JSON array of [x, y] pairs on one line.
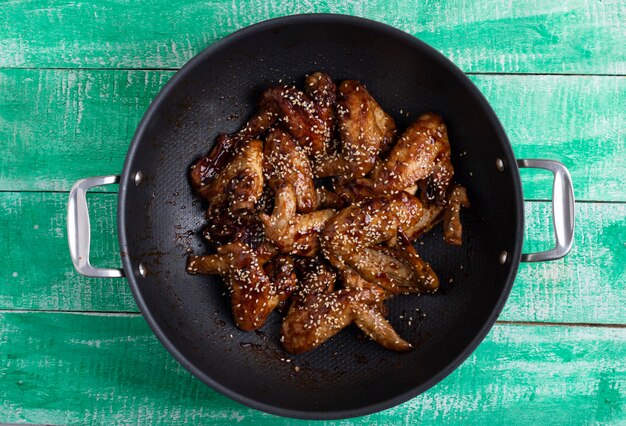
[[160, 220]]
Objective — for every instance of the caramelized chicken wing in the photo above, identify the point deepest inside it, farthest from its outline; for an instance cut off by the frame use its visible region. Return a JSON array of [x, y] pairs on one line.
[[364, 130], [252, 295], [320, 88], [285, 161], [293, 233], [300, 116], [431, 216], [414, 156], [241, 179], [281, 272], [358, 227], [315, 276], [424, 277], [371, 321], [315, 319], [452, 228]]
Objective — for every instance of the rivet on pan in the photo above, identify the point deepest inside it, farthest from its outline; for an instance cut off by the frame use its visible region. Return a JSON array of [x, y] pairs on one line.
[[142, 270], [138, 178], [499, 164], [502, 257]]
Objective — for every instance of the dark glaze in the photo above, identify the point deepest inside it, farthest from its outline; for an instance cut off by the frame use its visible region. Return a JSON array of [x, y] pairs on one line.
[[271, 208], [413, 156]]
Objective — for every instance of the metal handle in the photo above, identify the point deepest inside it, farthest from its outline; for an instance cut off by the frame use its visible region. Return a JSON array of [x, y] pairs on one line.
[[79, 230], [562, 210]]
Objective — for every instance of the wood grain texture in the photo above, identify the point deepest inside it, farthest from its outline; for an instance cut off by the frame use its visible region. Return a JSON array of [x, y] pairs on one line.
[[91, 117], [579, 36], [76, 368], [587, 286], [36, 271]]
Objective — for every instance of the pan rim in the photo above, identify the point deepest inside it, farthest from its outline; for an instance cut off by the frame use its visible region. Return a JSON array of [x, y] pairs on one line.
[[403, 37]]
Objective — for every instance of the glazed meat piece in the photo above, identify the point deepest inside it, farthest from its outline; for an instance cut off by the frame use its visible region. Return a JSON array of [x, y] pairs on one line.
[[209, 166], [433, 189], [315, 319], [424, 277], [285, 161], [327, 199], [241, 179], [320, 88], [431, 216], [395, 270], [356, 191], [364, 130], [282, 274], [293, 233], [452, 228], [300, 116], [252, 295], [414, 156], [223, 226], [358, 227], [316, 276]]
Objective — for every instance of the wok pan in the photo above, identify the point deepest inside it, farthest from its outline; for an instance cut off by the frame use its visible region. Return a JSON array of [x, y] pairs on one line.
[[159, 220]]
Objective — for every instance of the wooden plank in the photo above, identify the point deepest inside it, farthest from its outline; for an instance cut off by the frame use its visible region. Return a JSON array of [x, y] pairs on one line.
[[588, 286], [90, 117], [579, 121], [76, 368], [36, 271], [580, 36], [57, 127]]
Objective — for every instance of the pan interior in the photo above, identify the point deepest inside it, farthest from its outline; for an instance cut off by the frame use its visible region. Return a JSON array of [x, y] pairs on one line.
[[160, 220]]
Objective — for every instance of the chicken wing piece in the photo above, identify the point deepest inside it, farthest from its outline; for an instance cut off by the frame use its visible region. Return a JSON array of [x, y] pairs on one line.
[[385, 268], [327, 199], [252, 295], [241, 178], [361, 226], [316, 276], [431, 216], [364, 129], [433, 189], [452, 228], [281, 272], [224, 226], [208, 167], [414, 156], [371, 321], [320, 88], [424, 277], [293, 233], [317, 317], [285, 161], [217, 264], [300, 115]]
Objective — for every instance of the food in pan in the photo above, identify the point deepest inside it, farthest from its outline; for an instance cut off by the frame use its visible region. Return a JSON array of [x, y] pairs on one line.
[[314, 207]]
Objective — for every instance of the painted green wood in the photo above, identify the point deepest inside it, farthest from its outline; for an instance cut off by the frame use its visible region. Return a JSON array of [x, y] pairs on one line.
[[579, 36], [57, 127], [588, 286], [36, 271], [90, 117], [76, 368]]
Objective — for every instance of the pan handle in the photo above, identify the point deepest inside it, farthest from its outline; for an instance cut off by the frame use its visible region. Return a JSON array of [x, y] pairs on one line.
[[562, 210], [79, 229]]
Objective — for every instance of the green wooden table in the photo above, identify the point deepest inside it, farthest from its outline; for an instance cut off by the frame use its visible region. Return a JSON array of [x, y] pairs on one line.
[[76, 77]]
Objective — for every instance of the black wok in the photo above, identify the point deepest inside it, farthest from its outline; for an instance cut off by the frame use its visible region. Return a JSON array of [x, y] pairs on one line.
[[159, 220]]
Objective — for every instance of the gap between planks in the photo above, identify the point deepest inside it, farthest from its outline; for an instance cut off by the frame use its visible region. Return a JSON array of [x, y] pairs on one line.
[[137, 314], [563, 74]]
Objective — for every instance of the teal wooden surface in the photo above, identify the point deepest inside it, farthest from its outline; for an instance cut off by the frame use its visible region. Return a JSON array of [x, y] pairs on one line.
[[75, 79], [79, 368]]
